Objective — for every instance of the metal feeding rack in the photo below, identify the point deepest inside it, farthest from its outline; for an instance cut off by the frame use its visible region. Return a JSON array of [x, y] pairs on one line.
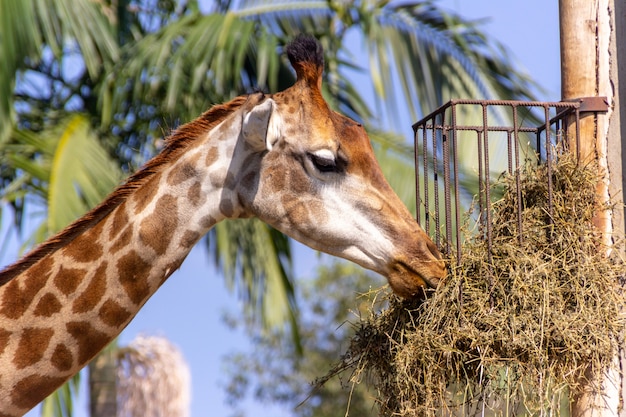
[[493, 137]]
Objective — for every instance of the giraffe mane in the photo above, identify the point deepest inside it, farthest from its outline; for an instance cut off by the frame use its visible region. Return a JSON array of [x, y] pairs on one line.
[[175, 144]]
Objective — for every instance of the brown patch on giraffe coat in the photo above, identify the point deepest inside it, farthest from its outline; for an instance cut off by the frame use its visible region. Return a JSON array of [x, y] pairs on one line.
[[133, 275], [113, 314], [249, 181], [221, 131], [226, 207], [93, 293], [62, 358], [291, 131], [318, 211], [207, 222], [304, 212], [48, 305], [90, 341], [157, 229], [298, 183], [276, 179], [123, 240], [29, 391], [120, 221], [5, 336], [297, 210], [85, 248], [67, 279], [189, 239], [194, 194], [20, 293], [146, 193], [230, 182], [216, 179], [181, 173], [32, 345], [212, 156]]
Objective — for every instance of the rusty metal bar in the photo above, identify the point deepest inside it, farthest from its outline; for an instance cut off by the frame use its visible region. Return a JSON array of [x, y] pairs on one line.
[[446, 189], [426, 189], [598, 104], [491, 128], [457, 211], [487, 190], [548, 161], [436, 184], [518, 187], [416, 155], [481, 185], [437, 138], [538, 145], [577, 135], [509, 152]]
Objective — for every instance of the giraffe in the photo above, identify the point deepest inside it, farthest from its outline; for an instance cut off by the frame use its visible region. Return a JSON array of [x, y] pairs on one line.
[[285, 158]]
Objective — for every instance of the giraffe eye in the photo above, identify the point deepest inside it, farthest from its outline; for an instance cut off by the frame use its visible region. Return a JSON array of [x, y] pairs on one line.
[[323, 162]]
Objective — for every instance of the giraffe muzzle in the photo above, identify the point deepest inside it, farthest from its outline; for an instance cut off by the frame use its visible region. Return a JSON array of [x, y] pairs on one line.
[[408, 281]]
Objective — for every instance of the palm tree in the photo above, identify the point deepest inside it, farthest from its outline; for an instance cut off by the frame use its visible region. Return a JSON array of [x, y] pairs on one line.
[[124, 71]]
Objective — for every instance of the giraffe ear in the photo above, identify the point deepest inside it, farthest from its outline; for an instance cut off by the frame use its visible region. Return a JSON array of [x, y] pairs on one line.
[[261, 126]]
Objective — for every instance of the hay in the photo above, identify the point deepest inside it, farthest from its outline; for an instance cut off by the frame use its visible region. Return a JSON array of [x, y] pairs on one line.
[[507, 333]]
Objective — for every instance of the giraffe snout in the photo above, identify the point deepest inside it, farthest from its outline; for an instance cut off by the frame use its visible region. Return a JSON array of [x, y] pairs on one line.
[[419, 267]]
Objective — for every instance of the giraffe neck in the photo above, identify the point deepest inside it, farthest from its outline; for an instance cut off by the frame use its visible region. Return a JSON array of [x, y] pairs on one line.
[[86, 286]]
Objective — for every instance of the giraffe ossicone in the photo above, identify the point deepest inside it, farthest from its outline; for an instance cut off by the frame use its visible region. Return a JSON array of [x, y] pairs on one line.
[[286, 158]]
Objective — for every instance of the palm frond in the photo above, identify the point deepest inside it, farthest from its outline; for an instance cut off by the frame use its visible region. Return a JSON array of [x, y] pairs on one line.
[[195, 62], [256, 260], [84, 22], [81, 173], [18, 40], [66, 168], [29, 27], [438, 56]]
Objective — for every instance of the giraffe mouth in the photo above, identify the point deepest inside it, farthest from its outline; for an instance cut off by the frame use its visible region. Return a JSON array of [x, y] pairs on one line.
[[407, 281]]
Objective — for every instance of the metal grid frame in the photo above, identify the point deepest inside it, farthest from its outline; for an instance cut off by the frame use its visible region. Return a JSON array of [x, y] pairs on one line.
[[437, 171]]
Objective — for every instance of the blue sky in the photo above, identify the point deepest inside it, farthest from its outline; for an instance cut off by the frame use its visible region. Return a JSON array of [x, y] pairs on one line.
[[189, 306]]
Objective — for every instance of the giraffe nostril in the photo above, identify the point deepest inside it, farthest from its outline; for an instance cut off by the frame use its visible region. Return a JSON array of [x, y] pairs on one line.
[[434, 250]]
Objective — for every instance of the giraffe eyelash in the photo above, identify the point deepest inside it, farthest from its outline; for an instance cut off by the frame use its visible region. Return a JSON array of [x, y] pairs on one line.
[[323, 163]]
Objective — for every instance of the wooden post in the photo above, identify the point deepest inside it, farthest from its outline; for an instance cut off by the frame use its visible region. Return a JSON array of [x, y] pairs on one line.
[[616, 136], [578, 26], [589, 68]]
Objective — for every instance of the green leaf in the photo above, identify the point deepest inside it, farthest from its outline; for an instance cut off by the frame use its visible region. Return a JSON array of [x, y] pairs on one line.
[[82, 21], [18, 40], [256, 260], [81, 174], [61, 403]]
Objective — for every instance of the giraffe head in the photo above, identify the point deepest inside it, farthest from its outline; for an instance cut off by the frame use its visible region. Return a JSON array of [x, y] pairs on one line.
[[311, 173]]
